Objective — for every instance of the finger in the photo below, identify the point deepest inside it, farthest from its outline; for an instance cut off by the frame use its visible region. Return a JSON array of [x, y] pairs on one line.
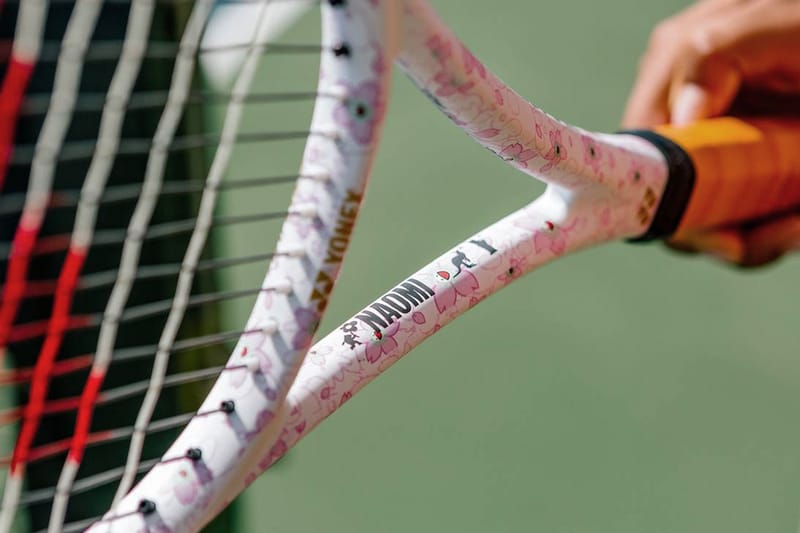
[[771, 240], [726, 245], [649, 103], [707, 88], [748, 44]]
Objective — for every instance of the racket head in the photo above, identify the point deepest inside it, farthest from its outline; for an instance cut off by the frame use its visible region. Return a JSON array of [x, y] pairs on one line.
[[242, 423], [345, 127], [289, 302]]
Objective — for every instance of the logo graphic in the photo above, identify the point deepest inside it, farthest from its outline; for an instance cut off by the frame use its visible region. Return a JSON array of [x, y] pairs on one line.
[[393, 305], [350, 335]]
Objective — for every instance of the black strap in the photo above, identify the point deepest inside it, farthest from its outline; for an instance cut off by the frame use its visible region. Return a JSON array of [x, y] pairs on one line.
[[678, 190]]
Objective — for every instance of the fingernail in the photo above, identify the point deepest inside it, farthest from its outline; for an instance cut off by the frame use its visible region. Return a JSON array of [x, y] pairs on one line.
[[689, 104]]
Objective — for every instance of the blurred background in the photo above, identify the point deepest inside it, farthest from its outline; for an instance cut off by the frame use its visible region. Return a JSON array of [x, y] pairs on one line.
[[624, 389]]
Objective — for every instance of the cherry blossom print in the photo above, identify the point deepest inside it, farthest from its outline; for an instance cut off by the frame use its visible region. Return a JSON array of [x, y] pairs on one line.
[[305, 323], [418, 318], [471, 63], [552, 237], [346, 396], [276, 452], [318, 356], [448, 84], [518, 154], [592, 155], [518, 260], [384, 345], [557, 152], [440, 48], [498, 97], [539, 131], [361, 111], [487, 133], [263, 418], [186, 487], [463, 285]]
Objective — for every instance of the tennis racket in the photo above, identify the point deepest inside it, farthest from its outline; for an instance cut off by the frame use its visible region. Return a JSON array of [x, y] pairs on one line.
[[108, 278]]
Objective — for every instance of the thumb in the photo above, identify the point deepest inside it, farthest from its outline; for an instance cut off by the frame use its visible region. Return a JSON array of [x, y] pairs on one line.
[[707, 88]]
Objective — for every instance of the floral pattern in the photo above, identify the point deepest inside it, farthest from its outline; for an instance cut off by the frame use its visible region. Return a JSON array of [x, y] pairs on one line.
[[502, 122], [377, 347], [361, 111], [518, 154], [557, 152]]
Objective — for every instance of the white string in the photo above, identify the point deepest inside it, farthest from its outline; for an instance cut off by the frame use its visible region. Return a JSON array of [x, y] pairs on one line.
[[219, 164], [59, 114], [122, 83]]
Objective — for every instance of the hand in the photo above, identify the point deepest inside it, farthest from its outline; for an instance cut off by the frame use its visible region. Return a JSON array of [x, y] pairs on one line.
[[724, 57]]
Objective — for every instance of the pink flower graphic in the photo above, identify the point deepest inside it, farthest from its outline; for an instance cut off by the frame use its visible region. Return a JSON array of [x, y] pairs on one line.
[[498, 97], [385, 344], [306, 322], [186, 488], [471, 63], [346, 396], [557, 152], [553, 238], [263, 418], [439, 48], [465, 284], [448, 85], [487, 133], [517, 262], [517, 153], [591, 154], [360, 112]]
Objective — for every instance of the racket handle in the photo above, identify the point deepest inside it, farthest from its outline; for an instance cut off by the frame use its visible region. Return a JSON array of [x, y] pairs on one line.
[[726, 171]]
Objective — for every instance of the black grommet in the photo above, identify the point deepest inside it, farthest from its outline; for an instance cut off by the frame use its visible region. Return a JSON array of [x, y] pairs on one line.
[[227, 406], [341, 50], [195, 454], [147, 507], [337, 3]]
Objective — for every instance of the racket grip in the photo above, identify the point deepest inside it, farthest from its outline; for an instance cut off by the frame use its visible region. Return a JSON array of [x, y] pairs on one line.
[[726, 171]]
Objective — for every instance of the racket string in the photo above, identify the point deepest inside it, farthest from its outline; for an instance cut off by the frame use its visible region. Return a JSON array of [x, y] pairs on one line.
[[12, 204], [82, 150], [120, 393], [110, 51], [104, 279], [37, 104], [115, 237], [34, 330], [66, 199]]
